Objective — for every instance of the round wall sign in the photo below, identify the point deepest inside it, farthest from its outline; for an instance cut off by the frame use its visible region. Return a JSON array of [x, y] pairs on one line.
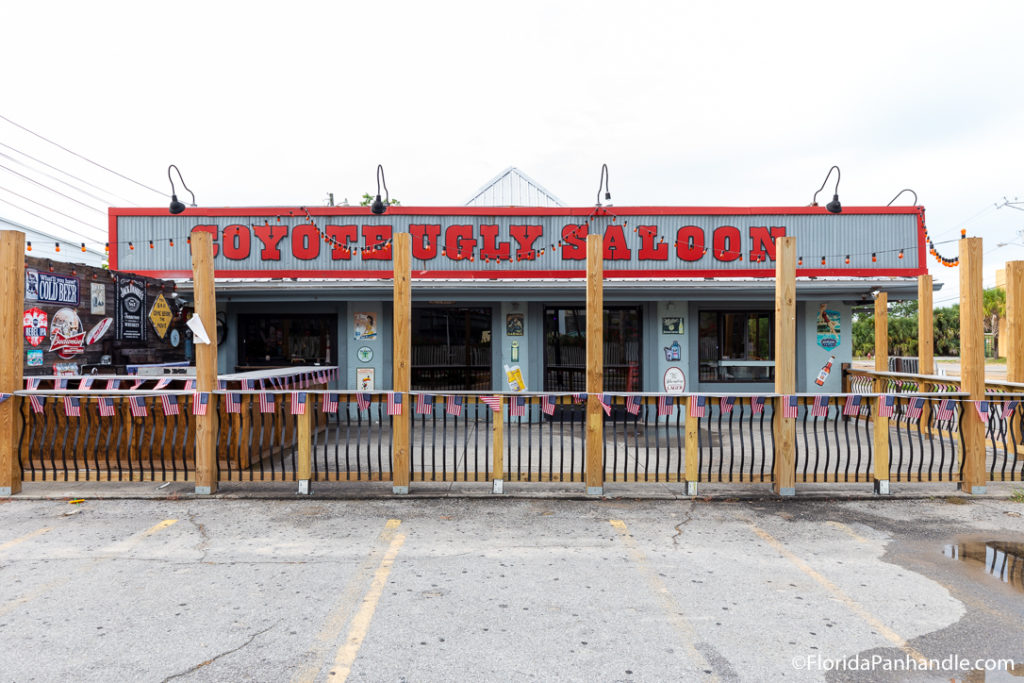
[[364, 354], [675, 380], [175, 337]]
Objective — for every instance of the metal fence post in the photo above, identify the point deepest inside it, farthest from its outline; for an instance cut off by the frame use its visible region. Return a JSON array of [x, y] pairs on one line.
[[12, 285], [881, 424]]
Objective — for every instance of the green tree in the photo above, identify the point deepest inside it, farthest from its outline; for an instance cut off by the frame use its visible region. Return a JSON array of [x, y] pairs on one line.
[[368, 199], [994, 307], [946, 325]]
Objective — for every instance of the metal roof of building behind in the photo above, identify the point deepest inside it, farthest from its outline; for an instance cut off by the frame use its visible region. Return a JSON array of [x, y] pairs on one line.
[[512, 187]]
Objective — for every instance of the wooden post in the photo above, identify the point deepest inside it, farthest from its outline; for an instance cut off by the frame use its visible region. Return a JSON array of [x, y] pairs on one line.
[[595, 365], [12, 285], [972, 363], [498, 459], [925, 327], [206, 361], [1014, 342], [401, 365], [304, 447], [785, 364], [881, 424], [692, 448]]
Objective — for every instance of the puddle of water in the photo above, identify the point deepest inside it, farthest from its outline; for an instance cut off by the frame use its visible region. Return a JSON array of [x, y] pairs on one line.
[[1003, 560]]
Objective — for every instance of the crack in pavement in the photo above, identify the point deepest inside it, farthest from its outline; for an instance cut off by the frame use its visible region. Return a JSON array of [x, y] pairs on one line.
[[204, 543], [222, 654], [686, 520]]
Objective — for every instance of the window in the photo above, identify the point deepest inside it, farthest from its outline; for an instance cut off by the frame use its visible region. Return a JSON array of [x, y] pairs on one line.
[[451, 349], [281, 339], [565, 349], [736, 346]]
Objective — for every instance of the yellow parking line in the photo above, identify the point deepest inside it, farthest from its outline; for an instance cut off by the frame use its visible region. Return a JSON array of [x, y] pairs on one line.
[[157, 527], [851, 604], [22, 539], [671, 608], [361, 621], [339, 616], [849, 532]]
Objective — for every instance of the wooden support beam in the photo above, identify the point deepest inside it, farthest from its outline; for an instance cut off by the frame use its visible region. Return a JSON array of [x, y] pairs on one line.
[[206, 361], [972, 363], [498, 442], [304, 446], [595, 365], [12, 285], [1014, 342], [925, 327], [692, 448], [401, 358], [881, 424], [785, 364]]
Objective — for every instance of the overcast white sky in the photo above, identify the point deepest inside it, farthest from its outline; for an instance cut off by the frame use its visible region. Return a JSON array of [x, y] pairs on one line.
[[690, 104]]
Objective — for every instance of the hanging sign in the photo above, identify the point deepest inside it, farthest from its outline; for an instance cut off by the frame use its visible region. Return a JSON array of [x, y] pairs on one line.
[[674, 380], [35, 326], [35, 358], [160, 315], [97, 298], [67, 338], [828, 327], [53, 289], [129, 310], [98, 330]]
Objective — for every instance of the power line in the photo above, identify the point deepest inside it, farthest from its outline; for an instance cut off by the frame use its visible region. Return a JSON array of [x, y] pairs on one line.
[[45, 186], [70, 175], [119, 175], [42, 218], [50, 208]]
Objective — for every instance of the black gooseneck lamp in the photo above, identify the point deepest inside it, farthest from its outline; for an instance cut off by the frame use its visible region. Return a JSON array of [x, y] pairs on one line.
[[603, 183], [901, 192], [833, 206], [378, 207], [176, 206]]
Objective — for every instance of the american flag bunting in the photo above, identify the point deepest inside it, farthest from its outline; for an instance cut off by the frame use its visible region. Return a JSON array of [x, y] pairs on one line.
[[757, 405], [945, 410], [914, 407], [887, 405], [4, 397], [363, 401], [579, 398], [790, 405], [330, 404], [137, 405], [200, 402], [266, 402], [453, 406], [170, 403], [517, 406], [424, 404], [493, 401], [820, 406], [190, 384], [606, 402], [547, 404], [633, 404], [113, 384], [852, 406], [72, 406], [85, 384], [162, 383], [698, 406], [106, 406], [233, 402], [982, 408], [726, 403], [298, 403], [394, 403], [666, 404], [1009, 407]]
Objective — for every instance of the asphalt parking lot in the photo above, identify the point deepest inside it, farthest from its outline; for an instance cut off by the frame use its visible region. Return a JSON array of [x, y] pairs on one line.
[[504, 588]]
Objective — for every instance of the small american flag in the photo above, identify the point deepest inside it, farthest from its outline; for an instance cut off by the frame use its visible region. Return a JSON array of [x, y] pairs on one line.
[[170, 404], [363, 401], [299, 403], [606, 403], [60, 384], [914, 407], [72, 406], [726, 403], [982, 408], [37, 403], [666, 404], [852, 406], [190, 384], [579, 398], [4, 397], [137, 383], [1009, 407], [247, 385], [790, 404], [757, 405], [113, 384], [453, 406], [106, 406], [633, 405], [517, 406], [424, 404], [162, 383], [266, 402], [233, 403], [394, 403], [85, 384], [32, 383], [137, 404], [200, 401], [820, 407], [547, 404], [945, 410], [887, 405], [330, 403], [222, 384], [493, 401], [698, 406]]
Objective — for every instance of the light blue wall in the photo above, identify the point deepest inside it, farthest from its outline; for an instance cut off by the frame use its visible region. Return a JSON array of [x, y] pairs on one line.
[[657, 360], [380, 346], [812, 356]]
